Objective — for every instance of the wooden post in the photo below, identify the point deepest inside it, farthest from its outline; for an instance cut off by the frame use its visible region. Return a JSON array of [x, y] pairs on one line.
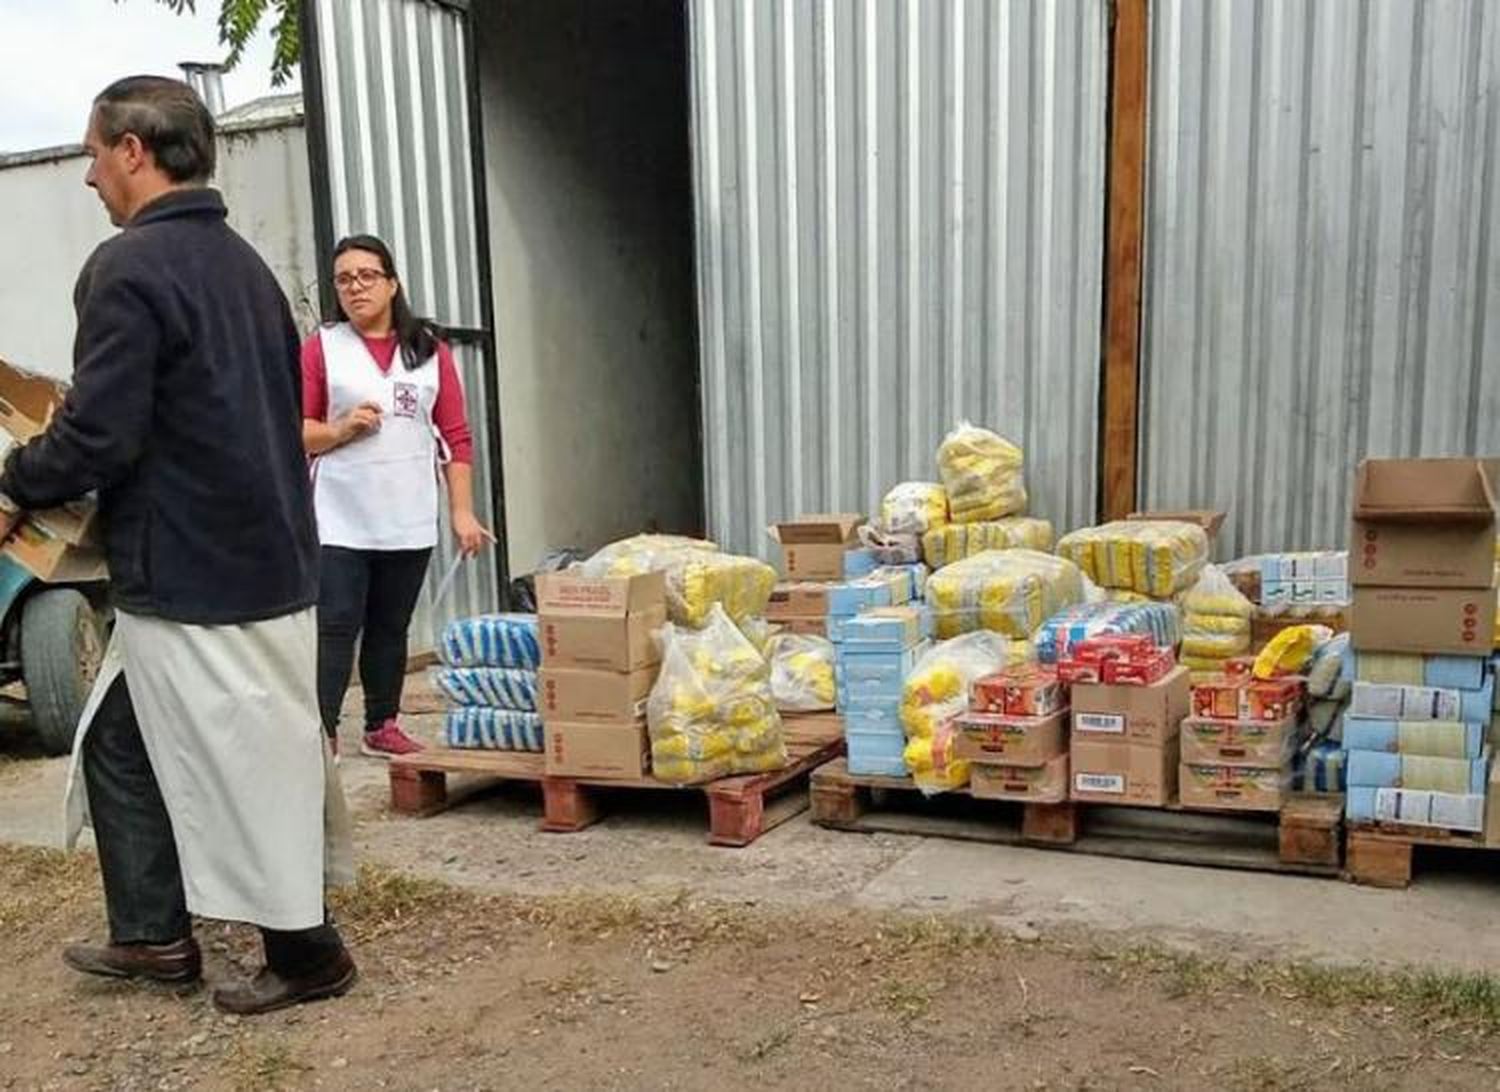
[[1125, 174]]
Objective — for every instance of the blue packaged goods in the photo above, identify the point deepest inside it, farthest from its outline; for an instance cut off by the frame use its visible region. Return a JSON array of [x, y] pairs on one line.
[[1383, 770], [1415, 807], [1320, 769], [892, 629], [1434, 738], [494, 729], [871, 676], [850, 598], [1415, 669], [860, 562], [874, 720], [1059, 633], [497, 687], [872, 757], [492, 640], [1400, 701]]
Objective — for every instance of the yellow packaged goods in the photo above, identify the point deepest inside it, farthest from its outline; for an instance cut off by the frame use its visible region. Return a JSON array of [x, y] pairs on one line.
[[802, 678], [932, 762], [1290, 651], [982, 473], [938, 686], [711, 713], [1216, 620], [945, 545], [1154, 557], [698, 575], [1009, 591], [913, 508]]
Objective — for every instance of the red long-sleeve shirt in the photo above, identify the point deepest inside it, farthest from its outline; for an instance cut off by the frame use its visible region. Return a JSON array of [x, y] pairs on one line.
[[448, 412]]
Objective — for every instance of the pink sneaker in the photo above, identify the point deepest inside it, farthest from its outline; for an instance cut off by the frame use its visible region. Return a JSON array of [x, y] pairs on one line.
[[387, 740]]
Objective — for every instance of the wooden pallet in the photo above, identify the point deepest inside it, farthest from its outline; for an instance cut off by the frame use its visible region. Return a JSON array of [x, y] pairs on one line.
[[1380, 854], [1304, 838], [740, 809]]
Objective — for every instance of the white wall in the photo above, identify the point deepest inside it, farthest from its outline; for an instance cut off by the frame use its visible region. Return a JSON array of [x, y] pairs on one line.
[[53, 222], [585, 115]]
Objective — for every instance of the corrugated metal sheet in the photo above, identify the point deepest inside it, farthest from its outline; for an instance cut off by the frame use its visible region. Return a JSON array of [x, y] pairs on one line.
[[899, 224], [398, 126], [1323, 277]]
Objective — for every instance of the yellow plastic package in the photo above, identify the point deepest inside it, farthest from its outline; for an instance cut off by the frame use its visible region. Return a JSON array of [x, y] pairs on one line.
[[1290, 651], [982, 473], [1215, 621], [802, 679], [711, 713], [1011, 592], [938, 685], [931, 761], [945, 545], [1153, 557], [698, 575], [913, 508]]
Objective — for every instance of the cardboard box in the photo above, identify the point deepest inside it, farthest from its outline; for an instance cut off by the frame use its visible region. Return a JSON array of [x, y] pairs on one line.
[[1207, 518], [51, 558], [27, 401], [811, 627], [1398, 702], [1010, 741], [1457, 620], [855, 596], [1492, 808], [887, 627], [1019, 692], [1138, 714], [803, 599], [1253, 743], [1383, 770], [600, 624], [813, 547], [618, 750], [1239, 697], [1120, 772], [572, 694], [1045, 784], [1424, 523], [1238, 788], [1436, 739]]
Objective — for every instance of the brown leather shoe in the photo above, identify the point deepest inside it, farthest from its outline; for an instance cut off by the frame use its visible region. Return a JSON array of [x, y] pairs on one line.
[[269, 991], [177, 962]]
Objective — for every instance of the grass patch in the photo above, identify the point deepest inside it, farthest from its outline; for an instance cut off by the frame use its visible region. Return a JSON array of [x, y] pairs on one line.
[[35, 882], [906, 996], [254, 1067], [382, 899]]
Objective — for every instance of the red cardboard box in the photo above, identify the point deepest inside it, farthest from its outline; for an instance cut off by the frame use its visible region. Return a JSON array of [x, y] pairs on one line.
[[1018, 692]]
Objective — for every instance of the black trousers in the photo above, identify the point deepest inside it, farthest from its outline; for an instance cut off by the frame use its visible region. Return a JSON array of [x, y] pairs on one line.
[[143, 893], [366, 596]]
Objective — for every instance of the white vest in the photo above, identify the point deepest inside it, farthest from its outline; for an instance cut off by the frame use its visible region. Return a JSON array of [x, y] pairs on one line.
[[379, 492]]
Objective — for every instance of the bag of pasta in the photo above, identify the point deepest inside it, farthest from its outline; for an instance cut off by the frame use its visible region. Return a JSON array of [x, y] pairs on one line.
[[697, 575], [711, 713], [912, 508], [938, 686], [1215, 622], [1153, 557], [802, 678], [945, 545], [982, 473], [1009, 591]]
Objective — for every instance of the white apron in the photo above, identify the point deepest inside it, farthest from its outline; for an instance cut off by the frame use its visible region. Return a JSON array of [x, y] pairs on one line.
[[229, 718], [381, 491]]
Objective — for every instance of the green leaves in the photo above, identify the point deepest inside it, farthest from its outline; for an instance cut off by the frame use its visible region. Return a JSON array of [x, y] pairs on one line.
[[240, 19]]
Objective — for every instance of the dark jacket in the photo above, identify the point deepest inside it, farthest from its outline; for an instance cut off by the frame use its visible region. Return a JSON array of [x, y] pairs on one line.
[[186, 415]]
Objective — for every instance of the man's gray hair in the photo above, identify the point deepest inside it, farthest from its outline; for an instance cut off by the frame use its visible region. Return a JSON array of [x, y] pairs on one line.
[[169, 119]]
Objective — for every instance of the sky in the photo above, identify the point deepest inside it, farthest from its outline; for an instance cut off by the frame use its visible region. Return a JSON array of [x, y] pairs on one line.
[[56, 55]]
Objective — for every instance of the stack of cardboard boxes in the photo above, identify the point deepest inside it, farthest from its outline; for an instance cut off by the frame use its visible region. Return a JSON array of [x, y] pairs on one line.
[[1422, 550], [1014, 735], [1240, 742], [599, 661], [1128, 699], [813, 554], [877, 650]]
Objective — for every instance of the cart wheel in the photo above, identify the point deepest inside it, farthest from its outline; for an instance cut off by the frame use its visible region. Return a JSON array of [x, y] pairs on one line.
[[62, 649]]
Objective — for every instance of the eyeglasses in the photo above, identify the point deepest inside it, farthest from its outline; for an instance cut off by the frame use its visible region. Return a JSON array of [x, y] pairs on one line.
[[365, 278]]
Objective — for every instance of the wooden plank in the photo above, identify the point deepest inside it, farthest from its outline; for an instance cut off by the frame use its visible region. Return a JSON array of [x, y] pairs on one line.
[[1379, 861], [1125, 173]]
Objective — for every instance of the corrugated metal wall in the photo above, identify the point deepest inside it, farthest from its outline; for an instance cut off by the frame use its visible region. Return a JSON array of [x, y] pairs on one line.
[[899, 224], [397, 119], [1323, 277]]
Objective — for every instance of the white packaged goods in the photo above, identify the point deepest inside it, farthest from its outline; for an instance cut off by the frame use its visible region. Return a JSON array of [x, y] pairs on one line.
[[1011, 592], [492, 640], [802, 677], [493, 729], [698, 575], [497, 687], [913, 508], [982, 473], [1153, 557], [945, 545], [711, 713]]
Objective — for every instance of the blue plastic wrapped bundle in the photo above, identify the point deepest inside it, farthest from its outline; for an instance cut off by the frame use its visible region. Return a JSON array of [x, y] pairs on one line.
[[497, 687], [494, 729], [1321, 769], [1076, 623], [492, 640]]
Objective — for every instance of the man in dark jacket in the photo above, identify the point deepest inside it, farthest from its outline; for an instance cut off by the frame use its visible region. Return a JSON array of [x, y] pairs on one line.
[[200, 752]]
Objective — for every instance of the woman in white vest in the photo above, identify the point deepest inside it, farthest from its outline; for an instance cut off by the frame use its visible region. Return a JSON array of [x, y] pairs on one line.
[[383, 416]]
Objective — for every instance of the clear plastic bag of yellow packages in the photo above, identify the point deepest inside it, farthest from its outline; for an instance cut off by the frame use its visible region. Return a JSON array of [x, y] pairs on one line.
[[912, 508], [759, 633], [938, 686], [1009, 591], [945, 545], [802, 679], [1154, 557], [711, 713], [931, 762], [1215, 620], [698, 575], [983, 474]]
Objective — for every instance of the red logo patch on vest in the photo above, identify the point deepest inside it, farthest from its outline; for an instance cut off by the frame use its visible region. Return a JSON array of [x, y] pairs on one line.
[[405, 399]]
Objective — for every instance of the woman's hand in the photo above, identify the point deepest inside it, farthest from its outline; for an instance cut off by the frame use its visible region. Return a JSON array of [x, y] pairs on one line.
[[359, 422], [470, 533]]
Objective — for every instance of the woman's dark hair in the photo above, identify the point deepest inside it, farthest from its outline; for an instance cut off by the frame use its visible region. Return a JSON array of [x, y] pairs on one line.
[[416, 337], [169, 119]]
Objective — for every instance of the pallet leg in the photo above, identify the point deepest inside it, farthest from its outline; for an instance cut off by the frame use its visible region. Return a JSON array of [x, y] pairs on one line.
[[1309, 831], [1054, 823], [418, 792], [1379, 862], [568, 806], [834, 800]]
